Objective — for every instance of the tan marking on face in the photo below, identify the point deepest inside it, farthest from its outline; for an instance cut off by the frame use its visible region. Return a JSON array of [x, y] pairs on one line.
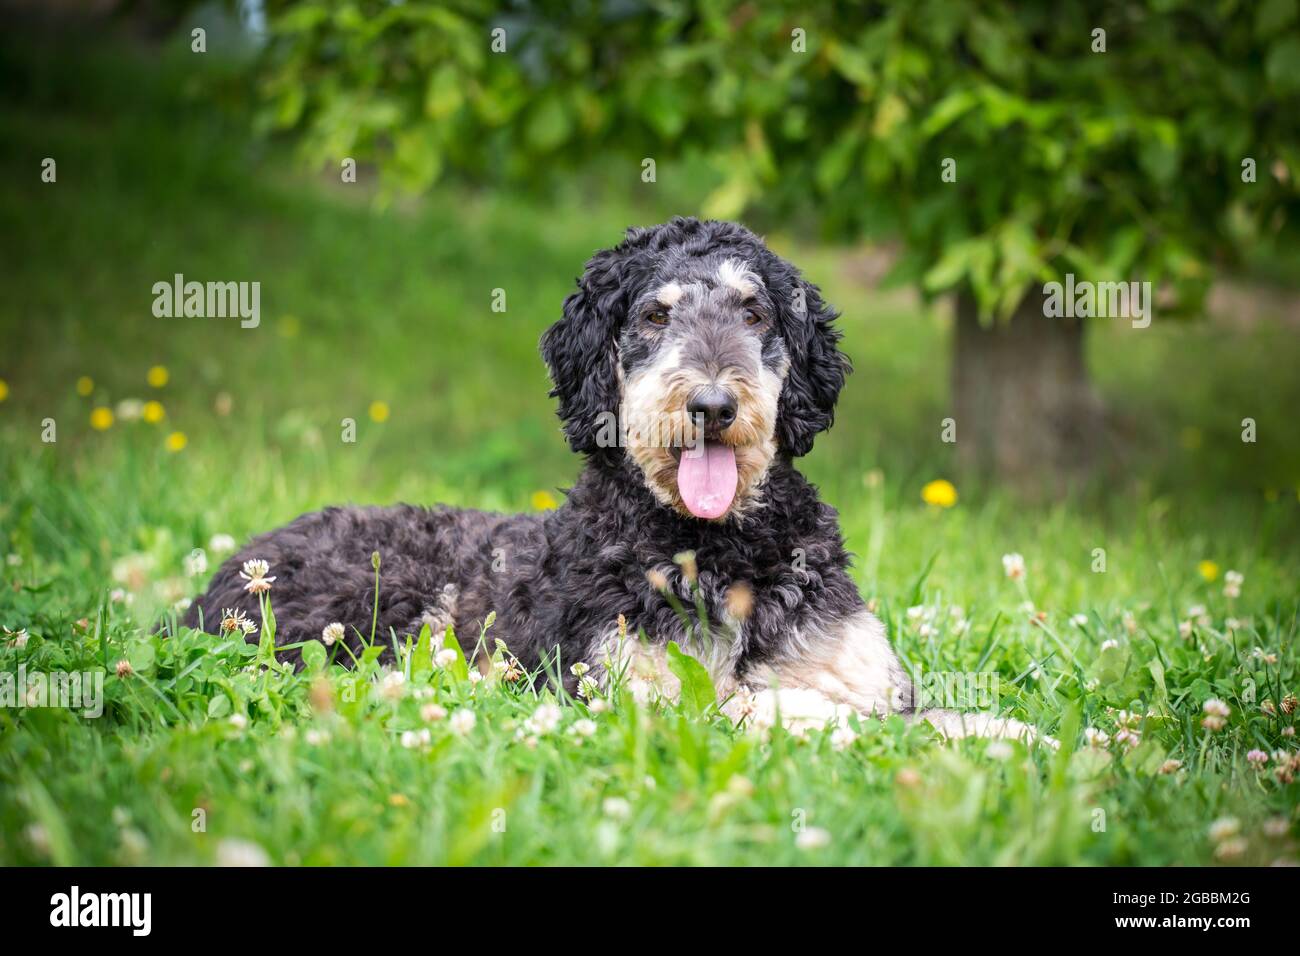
[[654, 401]]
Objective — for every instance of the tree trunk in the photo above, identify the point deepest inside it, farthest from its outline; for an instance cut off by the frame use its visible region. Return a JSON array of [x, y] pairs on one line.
[[1025, 409]]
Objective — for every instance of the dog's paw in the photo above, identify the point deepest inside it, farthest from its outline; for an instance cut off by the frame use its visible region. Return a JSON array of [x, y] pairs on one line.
[[797, 709]]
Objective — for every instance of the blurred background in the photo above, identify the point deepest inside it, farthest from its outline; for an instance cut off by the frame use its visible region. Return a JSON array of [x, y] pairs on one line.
[[497, 146]]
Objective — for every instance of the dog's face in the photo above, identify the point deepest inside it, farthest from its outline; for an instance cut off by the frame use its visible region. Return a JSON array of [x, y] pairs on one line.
[[699, 354]]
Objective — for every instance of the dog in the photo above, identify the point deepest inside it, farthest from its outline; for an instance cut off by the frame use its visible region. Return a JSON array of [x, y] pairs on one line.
[[691, 366]]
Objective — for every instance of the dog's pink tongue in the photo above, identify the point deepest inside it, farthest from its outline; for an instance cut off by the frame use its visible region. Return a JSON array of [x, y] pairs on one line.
[[706, 479]]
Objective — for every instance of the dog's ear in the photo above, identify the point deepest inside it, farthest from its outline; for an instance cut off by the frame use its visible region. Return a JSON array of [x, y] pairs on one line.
[[817, 366], [580, 349]]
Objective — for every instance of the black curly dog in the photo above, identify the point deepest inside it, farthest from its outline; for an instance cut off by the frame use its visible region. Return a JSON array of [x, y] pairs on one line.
[[692, 366]]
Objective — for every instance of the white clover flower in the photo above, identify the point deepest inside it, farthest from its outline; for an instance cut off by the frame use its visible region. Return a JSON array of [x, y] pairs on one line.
[[580, 668], [961, 626], [1257, 758], [238, 721], [616, 808], [255, 568], [1095, 737], [1224, 828], [221, 543], [17, 638], [331, 634], [445, 657], [182, 605], [1109, 643], [1128, 738], [588, 689], [584, 727], [411, 739], [916, 613], [432, 713], [1079, 620], [233, 619], [1232, 581], [597, 705], [544, 720], [1185, 629], [812, 838], [926, 629], [392, 686], [462, 722], [1230, 849], [234, 852], [1276, 827], [196, 563], [1198, 614], [1014, 566], [254, 572], [1216, 708], [475, 676], [315, 736]]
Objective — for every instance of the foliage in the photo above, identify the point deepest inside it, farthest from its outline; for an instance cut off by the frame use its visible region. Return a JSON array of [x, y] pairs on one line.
[[1126, 163]]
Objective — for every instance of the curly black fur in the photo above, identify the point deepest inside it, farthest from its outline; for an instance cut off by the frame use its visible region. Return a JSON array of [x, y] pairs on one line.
[[559, 581]]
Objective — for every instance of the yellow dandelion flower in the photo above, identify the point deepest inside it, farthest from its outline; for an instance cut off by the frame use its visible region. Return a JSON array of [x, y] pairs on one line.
[[176, 441], [379, 411], [85, 385], [1208, 570], [101, 419], [544, 501], [158, 376], [153, 412], [4, 390], [939, 492]]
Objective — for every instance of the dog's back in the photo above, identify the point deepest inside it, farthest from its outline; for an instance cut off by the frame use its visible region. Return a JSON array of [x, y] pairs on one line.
[[436, 566]]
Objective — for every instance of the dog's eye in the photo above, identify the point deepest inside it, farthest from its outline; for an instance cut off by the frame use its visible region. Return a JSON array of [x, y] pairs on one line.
[[658, 317], [753, 317]]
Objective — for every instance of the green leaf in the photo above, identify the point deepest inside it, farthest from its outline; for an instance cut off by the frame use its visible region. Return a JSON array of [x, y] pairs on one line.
[[698, 692], [140, 655], [1283, 64], [548, 124], [422, 658], [1273, 16], [218, 706], [313, 656]]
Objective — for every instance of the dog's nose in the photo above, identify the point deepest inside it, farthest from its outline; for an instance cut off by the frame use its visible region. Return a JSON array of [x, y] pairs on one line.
[[716, 406]]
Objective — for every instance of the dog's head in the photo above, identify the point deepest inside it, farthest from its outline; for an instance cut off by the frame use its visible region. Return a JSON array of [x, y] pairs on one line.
[[700, 354]]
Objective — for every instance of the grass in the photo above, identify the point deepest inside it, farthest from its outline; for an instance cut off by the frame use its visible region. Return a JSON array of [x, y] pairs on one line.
[[209, 752]]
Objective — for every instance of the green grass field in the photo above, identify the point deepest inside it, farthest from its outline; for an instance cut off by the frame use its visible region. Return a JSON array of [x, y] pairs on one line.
[[209, 752]]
